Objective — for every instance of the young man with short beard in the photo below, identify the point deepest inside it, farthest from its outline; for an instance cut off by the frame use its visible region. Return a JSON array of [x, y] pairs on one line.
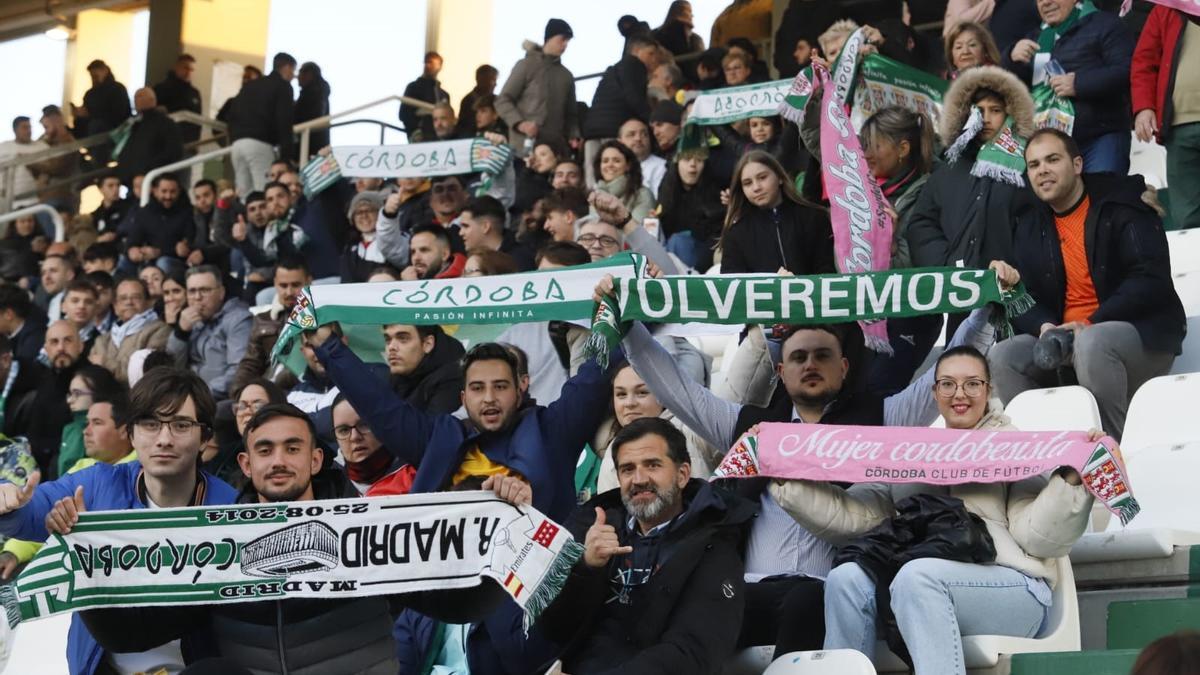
[[170, 417], [659, 587]]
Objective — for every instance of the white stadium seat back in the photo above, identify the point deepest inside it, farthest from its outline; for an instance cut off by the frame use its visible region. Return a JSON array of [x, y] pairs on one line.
[[1184, 246], [40, 647], [1161, 413], [824, 662], [1054, 409], [1161, 479], [1060, 634], [1187, 286]]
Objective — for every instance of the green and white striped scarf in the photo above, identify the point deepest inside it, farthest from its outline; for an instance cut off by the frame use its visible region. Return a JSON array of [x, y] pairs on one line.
[[422, 160], [342, 548], [731, 104]]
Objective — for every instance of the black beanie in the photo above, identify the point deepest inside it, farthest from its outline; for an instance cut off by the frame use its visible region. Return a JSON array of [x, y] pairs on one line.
[[558, 27]]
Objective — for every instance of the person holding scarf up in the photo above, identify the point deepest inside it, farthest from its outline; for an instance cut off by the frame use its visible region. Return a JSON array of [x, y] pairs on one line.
[[1081, 55]]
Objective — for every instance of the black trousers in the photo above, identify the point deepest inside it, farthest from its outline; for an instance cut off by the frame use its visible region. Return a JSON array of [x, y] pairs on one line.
[[788, 612]]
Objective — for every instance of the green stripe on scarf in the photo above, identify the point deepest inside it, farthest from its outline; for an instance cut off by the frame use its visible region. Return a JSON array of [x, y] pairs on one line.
[[1050, 34], [804, 300], [731, 104], [319, 174]]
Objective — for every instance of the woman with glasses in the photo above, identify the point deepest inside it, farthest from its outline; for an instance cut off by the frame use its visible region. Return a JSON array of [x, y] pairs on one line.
[[90, 382], [372, 469], [219, 456], [619, 173], [362, 254], [1032, 522]]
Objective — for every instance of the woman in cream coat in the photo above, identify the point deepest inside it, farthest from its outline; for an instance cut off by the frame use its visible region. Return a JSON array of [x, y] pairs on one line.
[[936, 602]]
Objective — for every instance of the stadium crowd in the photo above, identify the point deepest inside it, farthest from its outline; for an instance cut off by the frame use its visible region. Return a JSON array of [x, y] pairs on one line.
[[136, 354]]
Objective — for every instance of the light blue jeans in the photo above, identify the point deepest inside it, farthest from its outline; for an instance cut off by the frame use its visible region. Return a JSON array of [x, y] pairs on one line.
[[936, 602]]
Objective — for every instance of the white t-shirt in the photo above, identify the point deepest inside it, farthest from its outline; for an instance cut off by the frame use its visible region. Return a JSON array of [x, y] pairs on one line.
[[654, 168], [24, 181]]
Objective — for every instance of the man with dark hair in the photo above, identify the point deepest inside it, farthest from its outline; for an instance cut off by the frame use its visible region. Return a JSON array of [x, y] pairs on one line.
[[169, 418], [204, 203], [212, 332], [290, 277], [22, 144], [105, 105], [620, 96], [176, 92], [563, 208], [21, 322], [558, 254], [485, 85], [57, 271], [447, 198], [137, 327], [538, 99], [282, 461], [567, 174], [79, 309], [162, 228], [444, 123], [817, 385], [103, 317], [1095, 260], [423, 362], [482, 225], [418, 123], [660, 584], [112, 210], [101, 257], [260, 118], [433, 255], [538, 443]]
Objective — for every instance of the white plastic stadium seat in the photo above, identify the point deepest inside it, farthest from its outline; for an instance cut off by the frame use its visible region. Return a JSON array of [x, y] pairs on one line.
[[825, 662], [1160, 413], [1184, 246], [983, 651], [750, 661], [1187, 286], [1054, 409]]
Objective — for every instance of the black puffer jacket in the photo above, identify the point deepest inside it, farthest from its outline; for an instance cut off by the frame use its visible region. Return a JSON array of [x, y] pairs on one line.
[[435, 385], [794, 236], [621, 95], [175, 93], [1127, 257], [684, 618], [156, 140], [263, 110]]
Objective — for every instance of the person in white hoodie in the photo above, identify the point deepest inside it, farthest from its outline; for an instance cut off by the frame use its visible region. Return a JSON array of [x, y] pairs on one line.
[[1032, 522]]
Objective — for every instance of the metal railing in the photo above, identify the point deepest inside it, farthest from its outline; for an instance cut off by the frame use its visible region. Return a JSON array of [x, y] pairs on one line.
[[60, 230]]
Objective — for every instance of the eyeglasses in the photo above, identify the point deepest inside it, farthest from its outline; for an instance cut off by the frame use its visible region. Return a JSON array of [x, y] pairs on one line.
[[79, 393], [150, 425], [248, 406], [342, 431], [201, 291], [947, 388], [604, 240]]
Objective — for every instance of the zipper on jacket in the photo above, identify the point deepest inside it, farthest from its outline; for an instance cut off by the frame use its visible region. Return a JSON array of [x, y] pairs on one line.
[[779, 237], [283, 668]]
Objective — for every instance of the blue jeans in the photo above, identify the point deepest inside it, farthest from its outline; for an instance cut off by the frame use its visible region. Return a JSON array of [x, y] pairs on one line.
[[936, 602], [1108, 153], [695, 254]]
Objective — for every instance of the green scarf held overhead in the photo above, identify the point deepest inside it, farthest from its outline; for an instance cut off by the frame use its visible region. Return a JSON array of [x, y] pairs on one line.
[[803, 300]]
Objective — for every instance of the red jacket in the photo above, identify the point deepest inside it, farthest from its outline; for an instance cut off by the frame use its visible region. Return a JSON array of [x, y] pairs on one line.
[[1154, 62]]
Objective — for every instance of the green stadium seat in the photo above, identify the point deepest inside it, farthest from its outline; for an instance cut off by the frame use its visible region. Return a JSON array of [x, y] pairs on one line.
[[1135, 624]]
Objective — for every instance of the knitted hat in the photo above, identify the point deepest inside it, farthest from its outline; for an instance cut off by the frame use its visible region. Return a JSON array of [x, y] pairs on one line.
[[667, 111], [558, 27], [370, 198]]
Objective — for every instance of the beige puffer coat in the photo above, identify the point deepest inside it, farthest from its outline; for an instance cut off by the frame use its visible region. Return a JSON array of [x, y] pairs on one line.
[[1032, 521]]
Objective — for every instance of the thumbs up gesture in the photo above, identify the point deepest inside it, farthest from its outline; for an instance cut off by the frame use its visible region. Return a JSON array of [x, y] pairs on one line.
[[65, 513], [13, 497], [601, 543]]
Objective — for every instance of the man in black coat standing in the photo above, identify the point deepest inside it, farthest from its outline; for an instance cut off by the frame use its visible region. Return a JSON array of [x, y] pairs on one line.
[[621, 95], [312, 103], [176, 93], [1094, 257], [261, 118], [659, 588], [418, 123], [155, 140]]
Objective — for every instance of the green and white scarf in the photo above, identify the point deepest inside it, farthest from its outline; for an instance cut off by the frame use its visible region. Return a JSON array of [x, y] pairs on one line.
[[343, 548], [1001, 159], [884, 82], [1051, 110], [553, 295], [731, 104], [802, 300], [319, 174], [422, 160]]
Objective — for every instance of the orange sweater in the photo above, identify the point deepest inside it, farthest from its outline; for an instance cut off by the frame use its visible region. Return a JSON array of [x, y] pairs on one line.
[[1081, 301]]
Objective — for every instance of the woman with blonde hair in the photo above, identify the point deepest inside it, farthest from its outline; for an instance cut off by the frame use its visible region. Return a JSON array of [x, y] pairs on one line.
[[967, 45]]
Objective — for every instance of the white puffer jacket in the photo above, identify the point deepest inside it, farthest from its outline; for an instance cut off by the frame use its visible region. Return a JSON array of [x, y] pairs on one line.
[[1032, 521]]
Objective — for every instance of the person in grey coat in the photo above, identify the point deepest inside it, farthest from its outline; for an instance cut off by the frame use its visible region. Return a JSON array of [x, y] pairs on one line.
[[538, 99], [212, 332]]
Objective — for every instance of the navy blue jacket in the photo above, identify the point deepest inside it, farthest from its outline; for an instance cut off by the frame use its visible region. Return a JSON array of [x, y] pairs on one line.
[[105, 488], [543, 445], [323, 219], [1127, 256], [1099, 50]]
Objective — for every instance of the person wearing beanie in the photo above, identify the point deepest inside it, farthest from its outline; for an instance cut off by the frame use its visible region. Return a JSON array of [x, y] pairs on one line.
[[361, 257], [665, 123], [538, 100]]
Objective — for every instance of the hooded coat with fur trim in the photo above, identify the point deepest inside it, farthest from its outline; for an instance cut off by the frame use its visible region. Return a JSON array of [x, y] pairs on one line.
[[960, 218]]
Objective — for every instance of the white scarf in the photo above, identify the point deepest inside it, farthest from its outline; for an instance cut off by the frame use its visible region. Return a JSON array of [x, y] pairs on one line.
[[120, 331]]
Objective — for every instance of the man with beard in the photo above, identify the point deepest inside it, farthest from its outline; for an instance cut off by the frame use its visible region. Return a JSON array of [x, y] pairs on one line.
[[433, 256], [659, 587], [283, 462], [785, 564], [138, 327], [290, 278], [164, 226], [42, 414], [212, 332], [540, 443]]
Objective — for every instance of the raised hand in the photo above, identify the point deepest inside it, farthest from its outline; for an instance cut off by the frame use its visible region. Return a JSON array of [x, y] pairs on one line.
[[601, 543], [13, 497], [511, 489], [65, 513]]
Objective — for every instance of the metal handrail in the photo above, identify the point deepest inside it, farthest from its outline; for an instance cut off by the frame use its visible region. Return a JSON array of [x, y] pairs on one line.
[[148, 179], [60, 231], [305, 128]]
